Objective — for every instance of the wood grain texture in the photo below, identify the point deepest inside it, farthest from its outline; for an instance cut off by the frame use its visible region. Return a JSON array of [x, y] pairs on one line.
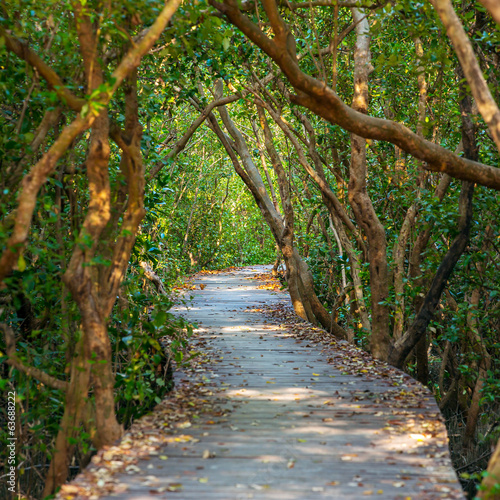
[[291, 426]]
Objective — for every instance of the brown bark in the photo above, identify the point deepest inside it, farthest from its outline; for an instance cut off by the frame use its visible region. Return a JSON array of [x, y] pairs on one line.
[[474, 407], [80, 275], [422, 86], [336, 211], [358, 305], [112, 276], [493, 8], [130, 198], [282, 230], [335, 208], [318, 175], [300, 299], [321, 314], [153, 277], [30, 186], [323, 101], [254, 189], [328, 3], [329, 242], [399, 254], [490, 487], [479, 349], [463, 48], [21, 49], [452, 397], [417, 329], [313, 307], [45, 166], [252, 173], [361, 202], [70, 425], [402, 347], [264, 165], [422, 241], [422, 347], [304, 298]]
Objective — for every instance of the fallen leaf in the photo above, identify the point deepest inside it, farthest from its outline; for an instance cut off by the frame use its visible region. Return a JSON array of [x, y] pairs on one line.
[[260, 486], [208, 454], [132, 469], [174, 487]]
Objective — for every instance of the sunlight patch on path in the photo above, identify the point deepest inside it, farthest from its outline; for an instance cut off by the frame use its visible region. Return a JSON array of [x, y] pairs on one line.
[[286, 423]]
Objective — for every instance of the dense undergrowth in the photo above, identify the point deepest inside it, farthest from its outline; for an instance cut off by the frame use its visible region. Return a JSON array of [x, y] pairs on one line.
[[147, 340], [257, 172]]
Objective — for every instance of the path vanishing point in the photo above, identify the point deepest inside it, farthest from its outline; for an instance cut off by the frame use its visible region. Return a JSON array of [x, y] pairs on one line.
[[289, 422]]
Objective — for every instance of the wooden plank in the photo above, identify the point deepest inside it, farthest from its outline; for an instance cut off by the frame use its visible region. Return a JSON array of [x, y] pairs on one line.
[[291, 426]]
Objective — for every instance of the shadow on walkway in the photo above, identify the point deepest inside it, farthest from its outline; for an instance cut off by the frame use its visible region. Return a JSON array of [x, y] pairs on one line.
[[287, 425]]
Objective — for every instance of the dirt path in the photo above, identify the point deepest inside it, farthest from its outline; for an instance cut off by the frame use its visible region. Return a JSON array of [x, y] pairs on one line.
[[292, 421]]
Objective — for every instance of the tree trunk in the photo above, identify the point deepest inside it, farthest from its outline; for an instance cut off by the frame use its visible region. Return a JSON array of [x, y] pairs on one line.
[[304, 299], [479, 349], [80, 276], [361, 202], [401, 348], [69, 428], [490, 487], [355, 264]]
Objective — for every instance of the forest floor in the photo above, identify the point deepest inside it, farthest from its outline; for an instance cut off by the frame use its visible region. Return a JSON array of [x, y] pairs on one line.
[[274, 408]]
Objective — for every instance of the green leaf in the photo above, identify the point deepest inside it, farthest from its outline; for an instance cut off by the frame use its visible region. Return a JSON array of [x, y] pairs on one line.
[[21, 263], [160, 318]]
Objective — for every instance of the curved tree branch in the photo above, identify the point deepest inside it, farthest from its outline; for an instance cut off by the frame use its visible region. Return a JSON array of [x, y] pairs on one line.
[[323, 101], [493, 8], [190, 131], [30, 371], [463, 48], [38, 175], [23, 51], [331, 3]]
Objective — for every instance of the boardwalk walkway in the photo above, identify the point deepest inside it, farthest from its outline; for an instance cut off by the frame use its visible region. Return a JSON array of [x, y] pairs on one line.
[[289, 425]]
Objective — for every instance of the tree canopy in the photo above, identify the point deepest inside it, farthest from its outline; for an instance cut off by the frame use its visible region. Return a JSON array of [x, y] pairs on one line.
[[354, 141]]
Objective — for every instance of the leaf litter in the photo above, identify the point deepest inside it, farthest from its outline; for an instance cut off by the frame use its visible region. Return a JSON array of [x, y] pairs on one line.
[[401, 404]]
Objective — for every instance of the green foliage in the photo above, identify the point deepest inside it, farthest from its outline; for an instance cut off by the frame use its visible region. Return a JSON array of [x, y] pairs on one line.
[[199, 214], [146, 345]]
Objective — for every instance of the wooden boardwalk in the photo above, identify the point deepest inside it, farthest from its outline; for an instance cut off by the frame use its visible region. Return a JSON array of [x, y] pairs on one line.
[[286, 425]]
